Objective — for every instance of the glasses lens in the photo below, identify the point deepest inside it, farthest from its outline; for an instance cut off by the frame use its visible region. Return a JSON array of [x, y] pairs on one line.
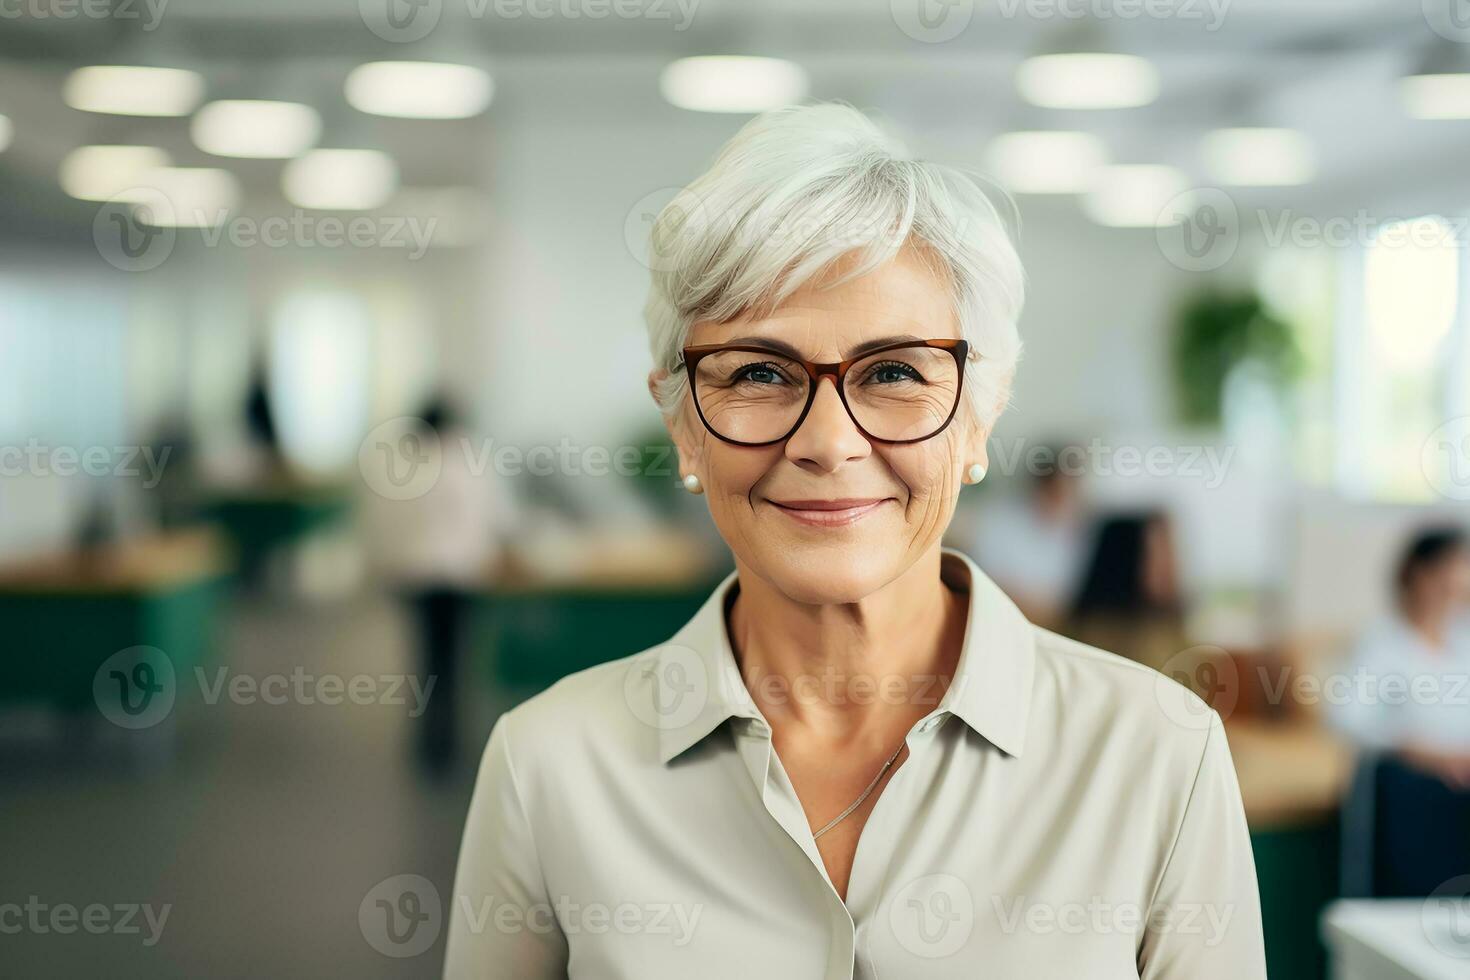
[[903, 394], [750, 396]]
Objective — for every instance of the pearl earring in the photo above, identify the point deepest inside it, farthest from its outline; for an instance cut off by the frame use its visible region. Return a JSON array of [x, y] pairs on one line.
[[692, 484], [976, 472]]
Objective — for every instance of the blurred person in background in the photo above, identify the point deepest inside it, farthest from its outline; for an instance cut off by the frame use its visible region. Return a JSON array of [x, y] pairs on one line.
[[834, 335], [1033, 546], [437, 548], [1128, 598], [1406, 703], [261, 458]]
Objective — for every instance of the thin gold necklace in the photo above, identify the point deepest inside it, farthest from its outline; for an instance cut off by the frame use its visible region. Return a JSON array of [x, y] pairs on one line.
[[866, 793]]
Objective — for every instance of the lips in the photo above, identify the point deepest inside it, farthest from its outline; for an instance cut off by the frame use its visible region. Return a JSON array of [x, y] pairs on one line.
[[837, 512]]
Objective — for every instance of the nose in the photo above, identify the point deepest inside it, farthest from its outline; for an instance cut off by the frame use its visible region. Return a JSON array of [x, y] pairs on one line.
[[827, 437]]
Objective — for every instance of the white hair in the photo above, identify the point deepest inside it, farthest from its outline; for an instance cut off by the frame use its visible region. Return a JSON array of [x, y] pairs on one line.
[[796, 189]]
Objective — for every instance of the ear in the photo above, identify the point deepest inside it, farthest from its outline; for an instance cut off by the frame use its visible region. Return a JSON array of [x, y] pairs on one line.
[[686, 441], [973, 448]]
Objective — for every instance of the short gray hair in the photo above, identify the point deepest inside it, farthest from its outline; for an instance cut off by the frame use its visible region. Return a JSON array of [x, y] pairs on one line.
[[796, 189]]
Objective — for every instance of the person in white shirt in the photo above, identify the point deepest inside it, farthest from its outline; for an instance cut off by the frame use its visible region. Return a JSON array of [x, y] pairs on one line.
[[1405, 697], [436, 544], [1034, 546]]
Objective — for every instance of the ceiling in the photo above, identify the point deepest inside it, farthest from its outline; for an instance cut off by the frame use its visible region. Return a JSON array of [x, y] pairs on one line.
[[1325, 66]]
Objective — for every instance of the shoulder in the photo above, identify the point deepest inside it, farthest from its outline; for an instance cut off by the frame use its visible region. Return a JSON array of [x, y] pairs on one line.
[[589, 713], [1101, 698], [593, 697]]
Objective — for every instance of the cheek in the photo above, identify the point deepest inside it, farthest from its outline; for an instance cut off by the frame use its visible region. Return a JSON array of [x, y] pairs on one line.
[[927, 470], [733, 471]]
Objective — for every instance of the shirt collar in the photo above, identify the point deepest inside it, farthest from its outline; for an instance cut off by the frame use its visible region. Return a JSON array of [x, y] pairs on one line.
[[991, 690]]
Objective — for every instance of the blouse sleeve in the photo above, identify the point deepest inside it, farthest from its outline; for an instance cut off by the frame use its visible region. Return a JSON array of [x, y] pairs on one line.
[[1205, 919], [502, 922]]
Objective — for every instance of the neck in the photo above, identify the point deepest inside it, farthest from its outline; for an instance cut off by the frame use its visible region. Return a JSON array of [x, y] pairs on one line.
[[881, 662]]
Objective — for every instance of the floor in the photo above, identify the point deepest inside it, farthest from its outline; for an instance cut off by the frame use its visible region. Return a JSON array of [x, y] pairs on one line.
[[259, 829]]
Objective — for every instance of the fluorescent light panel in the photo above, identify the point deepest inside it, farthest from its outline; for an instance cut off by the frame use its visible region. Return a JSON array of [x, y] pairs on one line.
[[184, 197], [101, 173], [131, 90], [255, 129], [1436, 96], [1046, 161], [1088, 81], [728, 83], [419, 89], [340, 180]]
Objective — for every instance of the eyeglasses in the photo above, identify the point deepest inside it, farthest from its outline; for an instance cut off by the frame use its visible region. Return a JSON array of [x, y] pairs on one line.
[[756, 396]]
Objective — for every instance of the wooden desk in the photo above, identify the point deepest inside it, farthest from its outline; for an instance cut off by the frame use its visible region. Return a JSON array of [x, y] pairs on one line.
[[260, 519], [622, 594], [1292, 774], [1292, 778], [62, 615]]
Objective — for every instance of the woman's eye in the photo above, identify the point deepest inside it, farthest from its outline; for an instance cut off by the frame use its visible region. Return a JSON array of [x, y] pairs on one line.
[[893, 372], [762, 374]]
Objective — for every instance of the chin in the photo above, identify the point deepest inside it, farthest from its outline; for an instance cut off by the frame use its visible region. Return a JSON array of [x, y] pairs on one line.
[[826, 572]]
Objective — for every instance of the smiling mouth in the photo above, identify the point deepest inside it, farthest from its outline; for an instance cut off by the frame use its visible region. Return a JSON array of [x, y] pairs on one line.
[[829, 513]]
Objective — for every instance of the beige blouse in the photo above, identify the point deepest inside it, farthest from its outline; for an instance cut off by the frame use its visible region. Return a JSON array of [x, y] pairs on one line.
[[1063, 813]]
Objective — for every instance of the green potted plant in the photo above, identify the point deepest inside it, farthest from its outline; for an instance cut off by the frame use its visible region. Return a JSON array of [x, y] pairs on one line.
[[1217, 332]]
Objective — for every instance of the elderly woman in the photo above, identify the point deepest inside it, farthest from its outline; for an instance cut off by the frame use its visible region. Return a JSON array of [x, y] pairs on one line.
[[858, 759]]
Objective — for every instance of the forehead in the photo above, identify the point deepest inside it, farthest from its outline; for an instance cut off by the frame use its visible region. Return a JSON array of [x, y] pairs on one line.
[[826, 319]]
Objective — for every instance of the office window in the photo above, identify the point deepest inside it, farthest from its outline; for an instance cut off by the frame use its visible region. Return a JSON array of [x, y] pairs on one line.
[[1399, 366], [321, 377], [1299, 285]]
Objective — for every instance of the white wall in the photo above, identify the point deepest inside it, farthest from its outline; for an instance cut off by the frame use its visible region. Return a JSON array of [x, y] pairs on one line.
[[563, 290]]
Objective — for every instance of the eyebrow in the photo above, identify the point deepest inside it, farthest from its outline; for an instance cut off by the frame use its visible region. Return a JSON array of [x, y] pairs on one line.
[[782, 347]]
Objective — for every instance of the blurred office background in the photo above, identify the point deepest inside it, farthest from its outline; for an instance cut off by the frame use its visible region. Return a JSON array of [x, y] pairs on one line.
[[325, 435]]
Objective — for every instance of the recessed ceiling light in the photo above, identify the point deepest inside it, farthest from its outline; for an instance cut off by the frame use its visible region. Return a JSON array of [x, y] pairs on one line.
[[184, 197], [101, 173], [340, 180], [129, 90], [1436, 96], [6, 132], [1090, 80], [1134, 195], [1047, 161], [419, 89], [255, 128], [1259, 157], [727, 83]]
